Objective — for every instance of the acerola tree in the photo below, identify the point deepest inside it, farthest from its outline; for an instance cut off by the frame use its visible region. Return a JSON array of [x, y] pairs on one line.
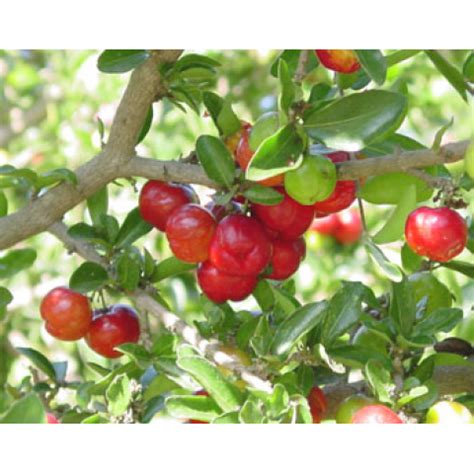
[[236, 313]]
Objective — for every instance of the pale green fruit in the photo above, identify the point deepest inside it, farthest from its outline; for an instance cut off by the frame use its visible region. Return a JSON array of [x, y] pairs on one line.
[[448, 413]]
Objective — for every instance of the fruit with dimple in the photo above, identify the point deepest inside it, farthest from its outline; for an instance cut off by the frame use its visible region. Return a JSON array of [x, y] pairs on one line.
[[350, 406], [339, 60], [448, 413], [286, 258], [158, 200], [112, 327], [289, 218], [349, 228], [314, 180], [67, 314], [437, 233], [318, 404], [220, 287], [240, 246], [189, 231], [376, 414]]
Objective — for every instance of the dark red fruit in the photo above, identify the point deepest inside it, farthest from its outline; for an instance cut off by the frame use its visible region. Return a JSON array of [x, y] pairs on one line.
[[376, 414], [318, 404], [68, 314], [349, 228], [339, 60], [219, 212], [112, 327], [344, 193], [240, 246], [439, 234], [220, 287], [189, 231], [286, 258], [289, 218], [325, 225], [158, 200]]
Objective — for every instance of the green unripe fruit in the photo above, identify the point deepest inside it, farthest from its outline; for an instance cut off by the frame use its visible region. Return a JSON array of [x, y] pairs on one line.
[[313, 181], [265, 126], [448, 413], [350, 406], [369, 339], [425, 284]]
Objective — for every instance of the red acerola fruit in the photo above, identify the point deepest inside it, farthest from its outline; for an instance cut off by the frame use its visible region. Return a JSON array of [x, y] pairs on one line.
[[219, 211], [68, 314], [189, 231], [159, 199], [344, 193], [289, 218], [244, 154], [112, 327], [437, 233], [325, 225], [339, 60], [220, 287], [240, 246], [349, 228], [286, 258], [318, 404], [51, 419], [376, 414]]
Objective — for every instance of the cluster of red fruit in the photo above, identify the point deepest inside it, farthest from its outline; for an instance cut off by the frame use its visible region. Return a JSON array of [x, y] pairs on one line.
[[232, 247], [69, 317]]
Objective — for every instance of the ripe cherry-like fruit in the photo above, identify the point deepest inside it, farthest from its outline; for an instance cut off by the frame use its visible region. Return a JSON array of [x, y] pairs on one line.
[[232, 141], [159, 199], [339, 60], [68, 314], [376, 414], [244, 154], [219, 211], [189, 231], [349, 228], [240, 246], [286, 258], [350, 406], [51, 419], [289, 218], [344, 193], [112, 327], [437, 233], [325, 225], [220, 287], [318, 404]]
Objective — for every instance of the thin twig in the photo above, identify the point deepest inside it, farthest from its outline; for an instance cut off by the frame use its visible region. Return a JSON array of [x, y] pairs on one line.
[[300, 72]]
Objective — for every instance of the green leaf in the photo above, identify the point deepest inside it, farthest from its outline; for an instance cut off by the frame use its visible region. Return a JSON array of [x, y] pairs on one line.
[[95, 419], [226, 395], [440, 134], [128, 272], [389, 269], [277, 154], [97, 205], [287, 88], [468, 68], [132, 229], [357, 356], [88, 277], [292, 329], [227, 122], [60, 370], [227, 418], [146, 125], [137, 354], [379, 380], [353, 122], [251, 413], [190, 61], [213, 104], [402, 309], [216, 160], [263, 195], [56, 176], [28, 409], [170, 267], [16, 261], [374, 64], [395, 225], [5, 297], [113, 61], [454, 77], [194, 407], [23, 173], [344, 311], [292, 57], [465, 268], [410, 260], [3, 204], [119, 395], [439, 320], [39, 361], [264, 295]]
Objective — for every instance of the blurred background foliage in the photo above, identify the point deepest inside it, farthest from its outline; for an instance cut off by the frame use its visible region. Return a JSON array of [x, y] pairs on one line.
[[50, 102]]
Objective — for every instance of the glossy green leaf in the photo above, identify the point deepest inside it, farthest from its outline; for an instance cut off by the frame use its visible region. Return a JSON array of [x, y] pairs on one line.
[[465, 268], [439, 320], [287, 88], [468, 68], [213, 104], [128, 272], [3, 204], [379, 380], [292, 57], [136, 353], [88, 277], [395, 225], [227, 418], [216, 160], [39, 361], [263, 195], [190, 61], [291, 330], [16, 261], [402, 309], [277, 154], [357, 356], [251, 413], [169, 267], [389, 269], [5, 297], [132, 229], [353, 122], [146, 125], [192, 407], [410, 260], [97, 205], [115, 61], [119, 395], [56, 176], [227, 122], [28, 409], [374, 64]]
